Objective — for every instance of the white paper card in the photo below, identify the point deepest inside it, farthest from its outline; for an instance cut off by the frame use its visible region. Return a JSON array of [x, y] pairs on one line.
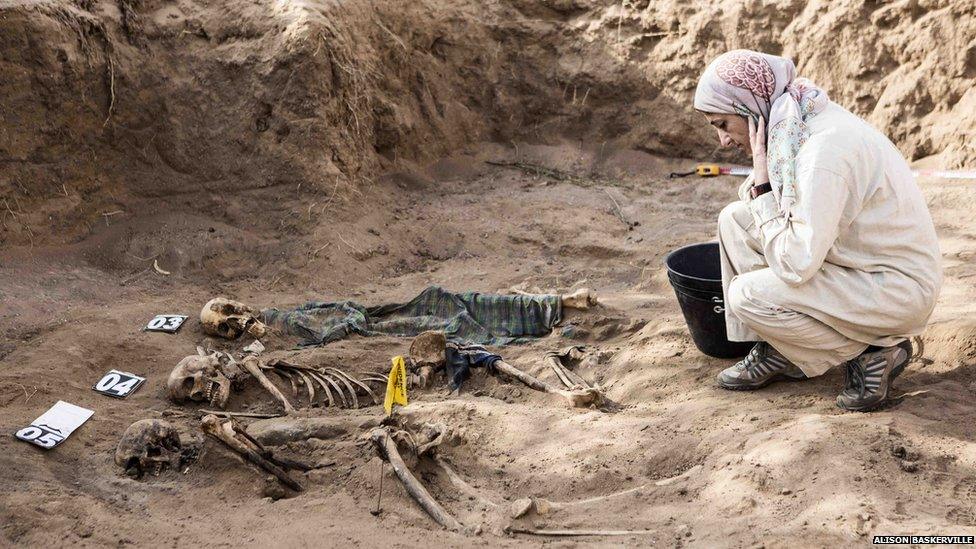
[[54, 425]]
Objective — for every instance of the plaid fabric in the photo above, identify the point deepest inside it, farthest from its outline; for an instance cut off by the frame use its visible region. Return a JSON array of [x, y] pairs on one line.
[[469, 317]]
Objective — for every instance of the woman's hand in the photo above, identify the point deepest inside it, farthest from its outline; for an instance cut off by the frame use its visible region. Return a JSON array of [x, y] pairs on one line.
[[757, 139]]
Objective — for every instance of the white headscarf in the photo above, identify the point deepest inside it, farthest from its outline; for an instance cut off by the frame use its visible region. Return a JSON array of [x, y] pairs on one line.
[[753, 84]]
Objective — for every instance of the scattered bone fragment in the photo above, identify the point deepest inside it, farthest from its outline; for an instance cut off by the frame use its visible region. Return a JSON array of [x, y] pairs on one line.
[[237, 439], [521, 507], [255, 347], [230, 319], [388, 451]]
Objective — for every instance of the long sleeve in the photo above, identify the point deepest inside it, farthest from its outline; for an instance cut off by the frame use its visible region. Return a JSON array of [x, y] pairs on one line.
[[795, 248]]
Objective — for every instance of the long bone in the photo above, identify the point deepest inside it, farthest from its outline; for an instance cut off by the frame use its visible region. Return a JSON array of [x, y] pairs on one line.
[[576, 398], [569, 378], [253, 366], [237, 440], [388, 451]]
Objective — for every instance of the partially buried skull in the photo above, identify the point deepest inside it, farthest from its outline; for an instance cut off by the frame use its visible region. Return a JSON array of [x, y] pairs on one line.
[[427, 354], [231, 319], [149, 446], [201, 378]]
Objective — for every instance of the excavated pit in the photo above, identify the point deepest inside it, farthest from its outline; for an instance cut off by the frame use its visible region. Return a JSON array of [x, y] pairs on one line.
[[277, 153]]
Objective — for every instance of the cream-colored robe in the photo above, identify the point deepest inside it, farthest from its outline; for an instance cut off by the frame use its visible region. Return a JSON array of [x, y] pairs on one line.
[[857, 264]]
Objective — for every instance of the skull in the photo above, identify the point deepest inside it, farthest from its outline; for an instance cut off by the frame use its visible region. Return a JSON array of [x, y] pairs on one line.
[[427, 354], [148, 445], [199, 377], [229, 319]]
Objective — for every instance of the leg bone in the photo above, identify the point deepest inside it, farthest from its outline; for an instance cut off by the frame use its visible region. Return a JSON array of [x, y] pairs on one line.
[[388, 451]]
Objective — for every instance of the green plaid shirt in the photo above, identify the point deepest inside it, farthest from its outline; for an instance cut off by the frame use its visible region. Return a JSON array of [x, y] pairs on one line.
[[469, 317]]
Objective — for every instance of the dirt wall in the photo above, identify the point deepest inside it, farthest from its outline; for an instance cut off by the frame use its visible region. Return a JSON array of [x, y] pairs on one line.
[[104, 103]]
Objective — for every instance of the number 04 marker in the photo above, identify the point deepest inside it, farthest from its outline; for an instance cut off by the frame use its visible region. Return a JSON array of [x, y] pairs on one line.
[[118, 384]]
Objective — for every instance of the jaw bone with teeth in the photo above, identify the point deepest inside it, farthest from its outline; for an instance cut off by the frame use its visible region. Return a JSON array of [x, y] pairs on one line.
[[200, 378], [231, 319], [148, 446]]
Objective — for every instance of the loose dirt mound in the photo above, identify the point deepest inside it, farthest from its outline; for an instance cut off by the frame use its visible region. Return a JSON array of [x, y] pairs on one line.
[[287, 151]]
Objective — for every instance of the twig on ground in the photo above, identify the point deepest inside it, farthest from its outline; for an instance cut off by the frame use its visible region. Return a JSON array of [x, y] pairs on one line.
[[27, 396], [107, 215], [335, 189], [572, 533], [618, 212], [142, 258], [535, 169], [392, 35], [134, 276], [159, 269], [111, 87], [355, 249]]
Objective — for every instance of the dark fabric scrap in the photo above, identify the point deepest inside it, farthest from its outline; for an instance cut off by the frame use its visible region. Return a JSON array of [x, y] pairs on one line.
[[460, 360], [469, 317]]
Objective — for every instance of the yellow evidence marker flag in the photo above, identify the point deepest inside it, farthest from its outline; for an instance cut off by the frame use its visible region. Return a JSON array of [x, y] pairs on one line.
[[396, 387]]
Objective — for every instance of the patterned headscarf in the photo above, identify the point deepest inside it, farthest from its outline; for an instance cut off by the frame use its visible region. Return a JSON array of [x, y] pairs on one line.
[[754, 84]]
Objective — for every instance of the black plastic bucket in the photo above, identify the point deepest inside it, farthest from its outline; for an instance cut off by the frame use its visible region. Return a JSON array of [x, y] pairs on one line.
[[695, 273]]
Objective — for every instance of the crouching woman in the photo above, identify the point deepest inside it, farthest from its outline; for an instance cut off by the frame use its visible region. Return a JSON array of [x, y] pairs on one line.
[[830, 256]]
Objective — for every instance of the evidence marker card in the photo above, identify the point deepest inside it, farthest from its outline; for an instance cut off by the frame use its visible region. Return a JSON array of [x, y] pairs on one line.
[[169, 324], [54, 425], [118, 384]]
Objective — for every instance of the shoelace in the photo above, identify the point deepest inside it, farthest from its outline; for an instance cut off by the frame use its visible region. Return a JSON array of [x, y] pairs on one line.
[[855, 378], [754, 357]]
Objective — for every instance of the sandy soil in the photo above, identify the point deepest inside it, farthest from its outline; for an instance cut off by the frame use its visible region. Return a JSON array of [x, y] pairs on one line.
[[313, 150], [777, 466]]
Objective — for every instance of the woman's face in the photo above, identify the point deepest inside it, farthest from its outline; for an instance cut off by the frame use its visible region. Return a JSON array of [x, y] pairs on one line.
[[733, 130]]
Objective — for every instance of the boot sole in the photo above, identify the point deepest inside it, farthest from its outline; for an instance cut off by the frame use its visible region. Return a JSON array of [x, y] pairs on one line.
[[775, 378]]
